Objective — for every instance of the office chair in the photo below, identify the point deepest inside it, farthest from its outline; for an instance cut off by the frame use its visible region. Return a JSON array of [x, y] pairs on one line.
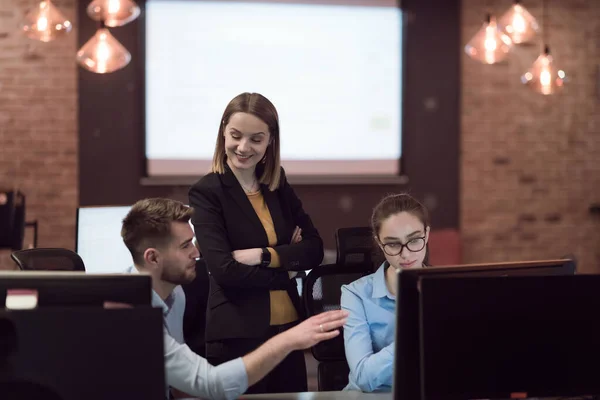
[[48, 259], [356, 246], [12, 219], [322, 292]]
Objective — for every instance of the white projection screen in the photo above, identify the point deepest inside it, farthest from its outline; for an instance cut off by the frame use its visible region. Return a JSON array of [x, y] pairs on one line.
[[332, 69]]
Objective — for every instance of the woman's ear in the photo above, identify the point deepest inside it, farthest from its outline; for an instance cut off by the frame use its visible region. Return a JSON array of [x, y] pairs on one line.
[[427, 230]]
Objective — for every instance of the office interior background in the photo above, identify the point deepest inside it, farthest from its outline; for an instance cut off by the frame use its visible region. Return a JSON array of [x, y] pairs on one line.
[[515, 175]]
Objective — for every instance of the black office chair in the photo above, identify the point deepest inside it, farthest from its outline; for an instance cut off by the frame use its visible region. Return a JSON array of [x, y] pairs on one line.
[[12, 219], [356, 246], [322, 292], [48, 259], [194, 317]]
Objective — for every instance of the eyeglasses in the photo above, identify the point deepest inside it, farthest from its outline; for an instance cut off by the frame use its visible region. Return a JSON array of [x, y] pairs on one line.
[[395, 248]]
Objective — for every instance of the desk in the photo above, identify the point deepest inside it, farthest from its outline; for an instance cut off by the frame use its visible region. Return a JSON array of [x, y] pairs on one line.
[[344, 395]]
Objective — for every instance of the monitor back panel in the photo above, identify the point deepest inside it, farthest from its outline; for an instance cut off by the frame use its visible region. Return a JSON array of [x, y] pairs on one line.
[[501, 337], [84, 353]]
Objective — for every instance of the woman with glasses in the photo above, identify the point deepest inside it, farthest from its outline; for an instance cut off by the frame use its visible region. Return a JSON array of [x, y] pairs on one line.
[[400, 227]]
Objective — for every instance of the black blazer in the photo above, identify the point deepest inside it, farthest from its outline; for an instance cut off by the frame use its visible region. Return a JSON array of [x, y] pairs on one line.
[[224, 220], [194, 317]]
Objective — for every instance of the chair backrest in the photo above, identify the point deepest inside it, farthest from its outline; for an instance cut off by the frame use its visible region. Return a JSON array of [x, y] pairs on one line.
[[45, 259], [332, 375], [12, 219], [355, 246], [322, 292]]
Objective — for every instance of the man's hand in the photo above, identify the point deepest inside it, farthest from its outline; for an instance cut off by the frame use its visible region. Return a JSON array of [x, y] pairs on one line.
[[310, 332], [248, 256], [316, 329]]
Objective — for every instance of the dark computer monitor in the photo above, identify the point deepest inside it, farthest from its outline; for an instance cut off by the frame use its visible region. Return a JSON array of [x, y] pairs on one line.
[[509, 337], [73, 353], [407, 382], [62, 288]]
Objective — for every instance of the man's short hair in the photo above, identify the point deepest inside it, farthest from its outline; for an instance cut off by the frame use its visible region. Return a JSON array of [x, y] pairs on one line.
[[148, 224]]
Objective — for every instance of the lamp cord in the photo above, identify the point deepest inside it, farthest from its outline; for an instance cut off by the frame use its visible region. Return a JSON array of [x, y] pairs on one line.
[[545, 26]]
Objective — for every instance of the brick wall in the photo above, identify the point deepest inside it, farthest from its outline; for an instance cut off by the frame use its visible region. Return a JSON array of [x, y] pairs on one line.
[[530, 163], [529, 167], [38, 124]]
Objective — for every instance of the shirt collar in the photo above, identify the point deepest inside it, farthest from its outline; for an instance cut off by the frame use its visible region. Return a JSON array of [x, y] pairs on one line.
[[165, 304], [379, 286]]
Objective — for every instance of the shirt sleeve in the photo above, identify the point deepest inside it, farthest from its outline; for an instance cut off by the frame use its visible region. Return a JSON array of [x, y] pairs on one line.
[[192, 374], [308, 253], [211, 233], [369, 371]]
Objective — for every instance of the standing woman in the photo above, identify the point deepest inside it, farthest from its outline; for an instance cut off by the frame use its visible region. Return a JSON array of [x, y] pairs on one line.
[[253, 234]]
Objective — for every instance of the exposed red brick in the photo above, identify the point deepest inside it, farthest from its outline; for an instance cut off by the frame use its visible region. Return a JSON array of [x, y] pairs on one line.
[[38, 125], [552, 142]]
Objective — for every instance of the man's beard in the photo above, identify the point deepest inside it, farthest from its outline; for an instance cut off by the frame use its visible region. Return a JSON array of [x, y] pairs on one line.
[[177, 277]]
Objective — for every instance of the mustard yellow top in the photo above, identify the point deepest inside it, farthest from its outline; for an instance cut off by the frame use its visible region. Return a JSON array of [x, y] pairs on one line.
[[282, 308]]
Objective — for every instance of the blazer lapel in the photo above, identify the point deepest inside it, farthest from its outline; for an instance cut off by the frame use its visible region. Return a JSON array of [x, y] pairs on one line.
[[272, 201], [237, 193]]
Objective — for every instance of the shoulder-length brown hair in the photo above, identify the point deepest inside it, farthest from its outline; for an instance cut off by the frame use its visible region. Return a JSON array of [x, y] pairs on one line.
[[259, 106]]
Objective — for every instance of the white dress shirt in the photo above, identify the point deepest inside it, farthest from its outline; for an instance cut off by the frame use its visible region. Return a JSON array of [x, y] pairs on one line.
[[187, 371]]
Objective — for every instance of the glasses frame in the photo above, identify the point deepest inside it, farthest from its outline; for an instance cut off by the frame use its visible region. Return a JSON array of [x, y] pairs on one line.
[[403, 245]]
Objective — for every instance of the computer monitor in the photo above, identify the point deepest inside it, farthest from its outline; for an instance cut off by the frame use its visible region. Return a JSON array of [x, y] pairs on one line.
[[61, 288], [407, 382], [512, 337], [78, 353], [98, 239]]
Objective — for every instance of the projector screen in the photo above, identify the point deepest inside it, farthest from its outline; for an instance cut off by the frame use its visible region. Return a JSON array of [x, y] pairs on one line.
[[333, 71]]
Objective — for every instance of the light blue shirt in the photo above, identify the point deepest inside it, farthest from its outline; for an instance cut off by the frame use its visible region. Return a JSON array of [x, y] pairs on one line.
[[369, 332], [173, 309], [184, 369]]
